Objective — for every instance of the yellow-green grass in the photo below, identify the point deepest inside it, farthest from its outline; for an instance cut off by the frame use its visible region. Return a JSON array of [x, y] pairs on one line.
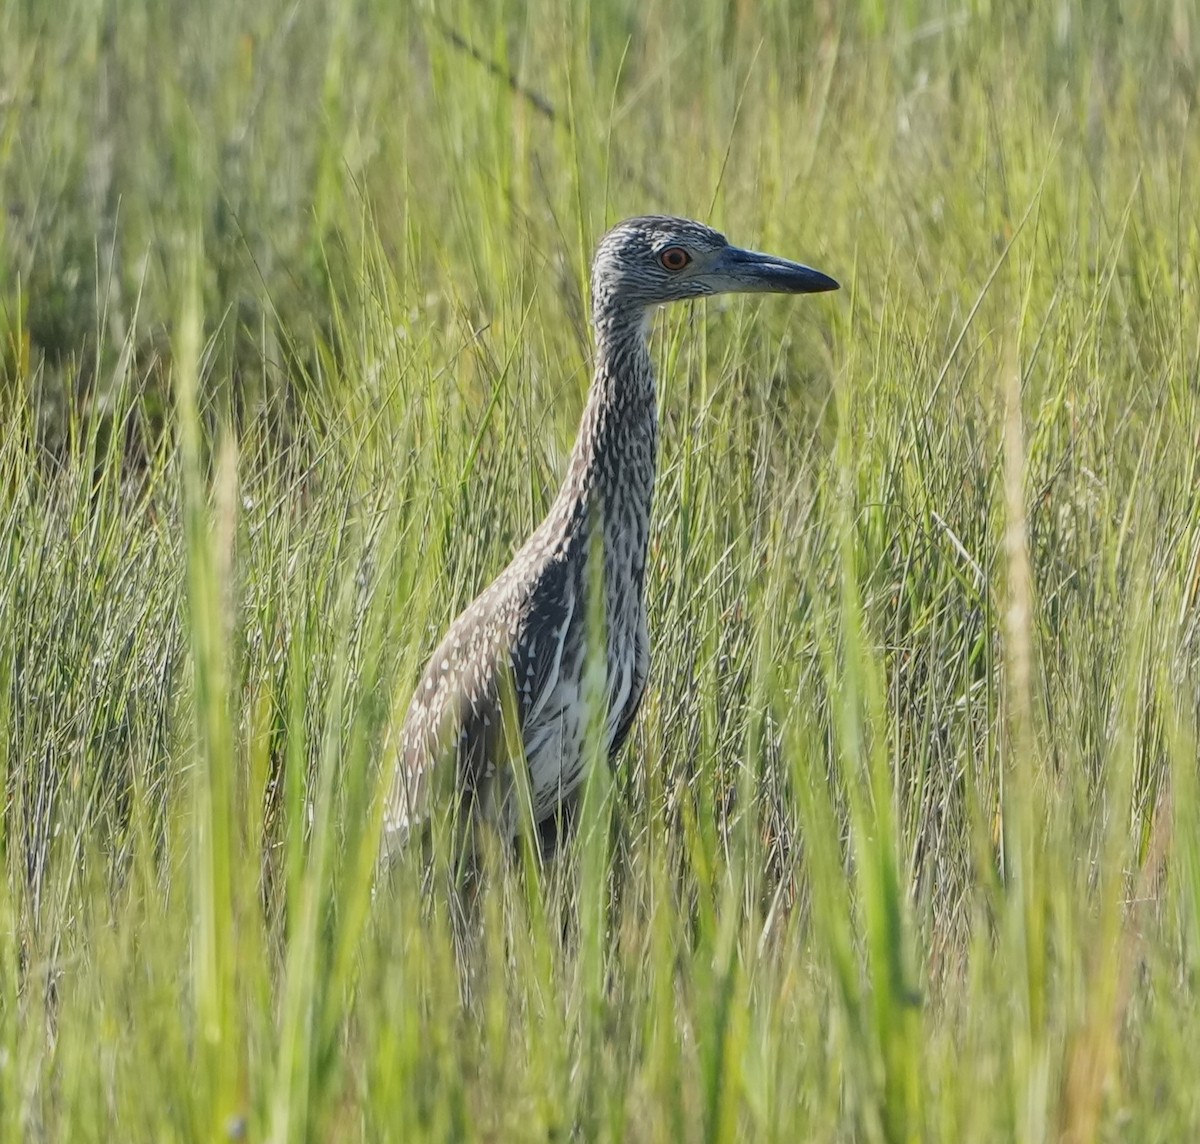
[[906, 843]]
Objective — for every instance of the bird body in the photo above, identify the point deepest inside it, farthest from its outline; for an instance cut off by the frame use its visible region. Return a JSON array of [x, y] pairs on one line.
[[516, 662]]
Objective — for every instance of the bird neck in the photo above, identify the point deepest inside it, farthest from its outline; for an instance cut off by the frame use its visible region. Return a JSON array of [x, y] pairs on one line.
[[610, 478]]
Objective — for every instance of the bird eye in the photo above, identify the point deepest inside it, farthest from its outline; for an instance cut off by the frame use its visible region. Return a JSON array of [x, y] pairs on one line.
[[674, 258]]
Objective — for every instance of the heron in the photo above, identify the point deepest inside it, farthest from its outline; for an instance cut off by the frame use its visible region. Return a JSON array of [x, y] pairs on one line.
[[508, 686]]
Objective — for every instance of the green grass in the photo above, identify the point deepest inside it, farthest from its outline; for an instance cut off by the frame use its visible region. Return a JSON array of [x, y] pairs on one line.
[[906, 843]]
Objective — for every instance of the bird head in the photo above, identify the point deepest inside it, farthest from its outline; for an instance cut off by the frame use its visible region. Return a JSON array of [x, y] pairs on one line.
[[644, 262]]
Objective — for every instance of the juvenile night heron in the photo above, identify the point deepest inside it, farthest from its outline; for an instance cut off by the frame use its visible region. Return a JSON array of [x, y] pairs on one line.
[[514, 663]]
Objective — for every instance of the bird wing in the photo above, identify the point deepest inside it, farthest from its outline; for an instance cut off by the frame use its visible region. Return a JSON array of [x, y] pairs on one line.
[[505, 643], [453, 731], [545, 631], [641, 673]]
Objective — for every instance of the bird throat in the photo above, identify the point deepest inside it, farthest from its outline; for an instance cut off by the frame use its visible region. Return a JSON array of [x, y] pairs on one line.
[[609, 487]]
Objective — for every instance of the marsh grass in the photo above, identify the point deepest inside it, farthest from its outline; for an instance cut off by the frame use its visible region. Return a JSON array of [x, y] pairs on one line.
[[293, 306]]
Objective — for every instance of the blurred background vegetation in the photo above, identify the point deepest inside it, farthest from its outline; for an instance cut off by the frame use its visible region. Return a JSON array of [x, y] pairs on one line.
[[293, 343]]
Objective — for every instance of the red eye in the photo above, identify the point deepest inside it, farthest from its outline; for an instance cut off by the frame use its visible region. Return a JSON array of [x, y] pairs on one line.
[[674, 258]]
